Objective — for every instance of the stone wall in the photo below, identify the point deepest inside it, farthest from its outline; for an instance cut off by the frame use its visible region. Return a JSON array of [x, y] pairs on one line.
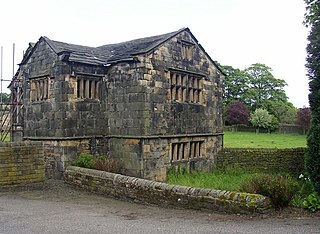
[[60, 153], [264, 160], [150, 192], [21, 163]]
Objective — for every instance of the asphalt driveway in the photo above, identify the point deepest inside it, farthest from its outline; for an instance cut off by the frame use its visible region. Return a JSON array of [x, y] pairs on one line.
[[55, 207]]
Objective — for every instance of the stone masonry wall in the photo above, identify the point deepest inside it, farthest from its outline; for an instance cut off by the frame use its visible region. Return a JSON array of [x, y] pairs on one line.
[[21, 163], [59, 153], [150, 192], [264, 160], [169, 116]]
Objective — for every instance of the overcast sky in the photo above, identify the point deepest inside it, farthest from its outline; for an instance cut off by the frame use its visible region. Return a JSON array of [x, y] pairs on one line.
[[233, 32]]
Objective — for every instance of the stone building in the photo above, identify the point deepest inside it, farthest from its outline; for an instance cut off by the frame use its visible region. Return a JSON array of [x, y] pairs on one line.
[[153, 103]]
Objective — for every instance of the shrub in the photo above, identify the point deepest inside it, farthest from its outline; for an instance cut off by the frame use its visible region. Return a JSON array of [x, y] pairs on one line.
[[84, 160], [305, 189], [99, 163], [280, 189], [312, 202], [107, 164], [312, 156], [261, 118], [313, 153], [237, 113]]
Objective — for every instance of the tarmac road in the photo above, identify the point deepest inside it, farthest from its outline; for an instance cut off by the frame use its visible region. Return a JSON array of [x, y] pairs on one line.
[[57, 208]]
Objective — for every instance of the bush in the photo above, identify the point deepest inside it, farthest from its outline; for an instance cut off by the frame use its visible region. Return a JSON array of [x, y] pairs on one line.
[[312, 202], [305, 188], [107, 164], [84, 160], [99, 163], [280, 189], [312, 157]]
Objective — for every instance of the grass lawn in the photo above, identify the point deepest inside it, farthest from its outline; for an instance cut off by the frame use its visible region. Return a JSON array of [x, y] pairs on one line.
[[229, 179], [263, 140]]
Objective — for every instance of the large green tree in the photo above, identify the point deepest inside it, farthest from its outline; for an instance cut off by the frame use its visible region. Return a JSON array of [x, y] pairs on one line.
[[284, 112], [312, 20], [264, 88], [257, 88], [235, 85]]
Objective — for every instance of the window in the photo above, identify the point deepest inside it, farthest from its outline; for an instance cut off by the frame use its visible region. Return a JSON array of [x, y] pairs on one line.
[[88, 88], [187, 51], [186, 150], [39, 89], [186, 87], [187, 48]]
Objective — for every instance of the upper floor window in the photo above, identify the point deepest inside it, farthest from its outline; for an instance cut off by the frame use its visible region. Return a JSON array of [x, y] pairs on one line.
[[88, 88], [187, 49], [39, 89], [185, 87]]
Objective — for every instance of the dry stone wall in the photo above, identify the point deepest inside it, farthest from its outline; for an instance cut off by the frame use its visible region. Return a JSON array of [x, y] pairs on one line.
[[150, 192], [21, 163], [264, 160]]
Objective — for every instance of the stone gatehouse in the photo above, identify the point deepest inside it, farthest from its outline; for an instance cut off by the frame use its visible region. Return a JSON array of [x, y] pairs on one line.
[[153, 103]]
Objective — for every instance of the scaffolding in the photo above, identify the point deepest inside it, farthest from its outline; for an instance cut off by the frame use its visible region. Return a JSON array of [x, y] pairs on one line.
[[11, 109]]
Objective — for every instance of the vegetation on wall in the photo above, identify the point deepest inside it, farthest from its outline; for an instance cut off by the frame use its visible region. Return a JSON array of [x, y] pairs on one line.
[[97, 162]]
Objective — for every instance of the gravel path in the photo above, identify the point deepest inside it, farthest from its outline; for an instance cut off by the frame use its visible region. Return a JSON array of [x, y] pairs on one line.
[[54, 207]]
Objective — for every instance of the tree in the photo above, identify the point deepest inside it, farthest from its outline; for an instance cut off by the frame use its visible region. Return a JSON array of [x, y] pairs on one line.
[[235, 84], [237, 113], [260, 118], [290, 116], [285, 112], [257, 88], [304, 118], [264, 88], [312, 159]]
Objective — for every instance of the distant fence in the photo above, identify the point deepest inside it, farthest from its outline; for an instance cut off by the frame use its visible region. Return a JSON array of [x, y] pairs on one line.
[[263, 160], [283, 129]]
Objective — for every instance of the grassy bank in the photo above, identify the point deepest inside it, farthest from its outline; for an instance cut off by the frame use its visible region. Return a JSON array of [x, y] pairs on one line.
[[229, 179], [263, 140]]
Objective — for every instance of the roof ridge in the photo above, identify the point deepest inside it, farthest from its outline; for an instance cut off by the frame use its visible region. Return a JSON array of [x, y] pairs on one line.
[[109, 53]]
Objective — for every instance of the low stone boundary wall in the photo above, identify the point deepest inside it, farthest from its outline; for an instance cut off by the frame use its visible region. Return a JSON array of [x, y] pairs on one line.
[[150, 192], [21, 163], [289, 160]]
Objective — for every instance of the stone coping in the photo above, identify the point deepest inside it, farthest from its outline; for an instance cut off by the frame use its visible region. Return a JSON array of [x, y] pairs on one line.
[[162, 194]]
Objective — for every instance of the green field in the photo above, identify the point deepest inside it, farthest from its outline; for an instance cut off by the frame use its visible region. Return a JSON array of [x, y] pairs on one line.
[[263, 140]]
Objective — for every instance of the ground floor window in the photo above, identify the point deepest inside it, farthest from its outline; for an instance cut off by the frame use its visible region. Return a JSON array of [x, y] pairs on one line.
[[181, 151]]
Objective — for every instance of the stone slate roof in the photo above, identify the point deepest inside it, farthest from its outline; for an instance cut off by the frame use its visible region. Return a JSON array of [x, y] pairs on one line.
[[108, 54]]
